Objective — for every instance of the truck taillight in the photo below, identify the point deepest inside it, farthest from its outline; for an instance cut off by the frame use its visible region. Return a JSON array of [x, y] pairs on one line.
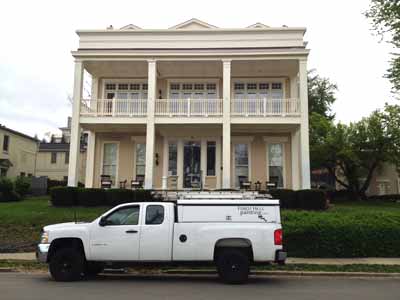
[[278, 237]]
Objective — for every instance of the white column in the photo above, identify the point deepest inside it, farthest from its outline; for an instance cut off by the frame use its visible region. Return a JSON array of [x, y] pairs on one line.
[[179, 165], [226, 127], [295, 150], [218, 157], [74, 151], [150, 128], [294, 89], [304, 139], [90, 152], [203, 159]]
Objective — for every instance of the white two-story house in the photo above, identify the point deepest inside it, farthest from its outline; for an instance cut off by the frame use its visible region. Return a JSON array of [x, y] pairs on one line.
[[193, 105]]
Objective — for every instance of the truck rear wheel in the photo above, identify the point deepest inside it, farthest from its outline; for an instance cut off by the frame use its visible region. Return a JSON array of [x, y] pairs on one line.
[[67, 264], [233, 266]]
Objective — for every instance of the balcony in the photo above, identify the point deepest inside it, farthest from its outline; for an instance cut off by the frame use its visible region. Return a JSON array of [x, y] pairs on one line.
[[178, 108], [265, 107], [188, 108]]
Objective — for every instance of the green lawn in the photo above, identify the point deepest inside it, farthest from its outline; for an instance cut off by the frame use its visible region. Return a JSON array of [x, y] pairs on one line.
[[20, 222]]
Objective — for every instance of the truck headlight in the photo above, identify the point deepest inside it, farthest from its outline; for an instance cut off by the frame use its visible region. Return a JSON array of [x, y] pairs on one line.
[[44, 239]]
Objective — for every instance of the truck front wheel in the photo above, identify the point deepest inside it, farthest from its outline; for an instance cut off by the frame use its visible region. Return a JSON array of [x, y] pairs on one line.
[[67, 264], [233, 266]]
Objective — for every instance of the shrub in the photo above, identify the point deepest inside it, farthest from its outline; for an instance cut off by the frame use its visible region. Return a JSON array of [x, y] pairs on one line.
[[360, 234], [22, 185], [287, 197], [91, 197], [143, 196], [9, 196], [118, 196], [342, 196], [388, 198], [63, 196], [6, 185], [311, 199]]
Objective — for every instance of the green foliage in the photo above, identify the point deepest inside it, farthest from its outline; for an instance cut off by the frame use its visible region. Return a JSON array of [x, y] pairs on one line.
[[63, 196], [355, 234], [385, 18], [311, 199], [69, 196], [6, 185], [22, 185], [351, 153], [91, 197], [287, 197], [321, 95]]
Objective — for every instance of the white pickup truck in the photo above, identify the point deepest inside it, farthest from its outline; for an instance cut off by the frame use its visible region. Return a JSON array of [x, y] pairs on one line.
[[231, 230]]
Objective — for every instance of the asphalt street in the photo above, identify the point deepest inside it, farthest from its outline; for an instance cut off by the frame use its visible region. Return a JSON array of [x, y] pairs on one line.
[[20, 286]]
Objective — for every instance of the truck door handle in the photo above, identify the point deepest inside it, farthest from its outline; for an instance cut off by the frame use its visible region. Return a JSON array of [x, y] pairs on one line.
[[131, 231]]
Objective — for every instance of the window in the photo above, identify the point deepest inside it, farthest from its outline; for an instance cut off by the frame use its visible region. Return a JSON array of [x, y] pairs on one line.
[[67, 157], [211, 158], [126, 90], [241, 163], [3, 172], [124, 216], [275, 164], [194, 90], [172, 159], [65, 178], [29, 174], [22, 174], [110, 152], [53, 157], [154, 214], [140, 160], [6, 143], [254, 90]]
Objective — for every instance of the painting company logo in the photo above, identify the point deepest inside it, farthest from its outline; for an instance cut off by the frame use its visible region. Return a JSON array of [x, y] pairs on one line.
[[251, 210]]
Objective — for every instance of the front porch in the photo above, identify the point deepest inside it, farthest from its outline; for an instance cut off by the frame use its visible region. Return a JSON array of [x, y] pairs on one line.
[[192, 157]]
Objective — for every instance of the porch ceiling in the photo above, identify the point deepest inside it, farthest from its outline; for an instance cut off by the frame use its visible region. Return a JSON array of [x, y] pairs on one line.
[[262, 128], [117, 128], [193, 69]]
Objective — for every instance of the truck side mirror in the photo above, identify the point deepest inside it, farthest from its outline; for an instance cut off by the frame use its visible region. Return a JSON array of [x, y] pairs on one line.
[[103, 222]]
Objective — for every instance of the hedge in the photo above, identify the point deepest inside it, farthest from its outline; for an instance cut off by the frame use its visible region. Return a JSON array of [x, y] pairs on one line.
[[301, 199], [312, 234], [7, 191], [69, 196], [389, 197]]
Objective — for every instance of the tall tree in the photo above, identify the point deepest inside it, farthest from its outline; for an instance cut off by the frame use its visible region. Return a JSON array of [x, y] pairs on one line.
[[385, 18], [321, 95], [352, 153]]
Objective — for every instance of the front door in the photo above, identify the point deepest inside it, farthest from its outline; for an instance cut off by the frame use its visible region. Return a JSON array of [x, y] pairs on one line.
[[118, 237], [191, 165]]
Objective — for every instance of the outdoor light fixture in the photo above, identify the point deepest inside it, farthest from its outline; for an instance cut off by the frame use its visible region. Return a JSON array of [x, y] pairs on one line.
[[156, 159]]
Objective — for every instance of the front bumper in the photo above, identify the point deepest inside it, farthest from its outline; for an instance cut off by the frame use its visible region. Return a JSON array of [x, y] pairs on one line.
[[41, 252]]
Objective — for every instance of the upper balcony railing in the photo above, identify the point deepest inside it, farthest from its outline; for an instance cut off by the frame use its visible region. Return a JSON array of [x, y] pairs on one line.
[[114, 107], [188, 107], [264, 107]]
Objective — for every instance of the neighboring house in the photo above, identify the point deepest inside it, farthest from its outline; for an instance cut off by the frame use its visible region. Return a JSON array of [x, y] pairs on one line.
[[192, 103], [386, 180], [17, 153], [53, 158]]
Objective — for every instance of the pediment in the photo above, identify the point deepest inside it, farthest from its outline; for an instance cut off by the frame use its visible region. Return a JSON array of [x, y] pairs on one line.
[[194, 24]]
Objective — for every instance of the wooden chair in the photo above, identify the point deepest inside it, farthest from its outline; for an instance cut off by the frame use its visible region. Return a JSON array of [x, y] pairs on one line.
[[270, 185], [105, 181], [137, 183], [122, 184]]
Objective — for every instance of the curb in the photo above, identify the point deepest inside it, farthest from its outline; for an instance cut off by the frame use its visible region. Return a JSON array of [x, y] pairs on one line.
[[290, 273], [6, 270]]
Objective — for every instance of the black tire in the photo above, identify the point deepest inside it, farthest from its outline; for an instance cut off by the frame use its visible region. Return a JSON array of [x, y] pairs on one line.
[[92, 269], [233, 266], [67, 264]]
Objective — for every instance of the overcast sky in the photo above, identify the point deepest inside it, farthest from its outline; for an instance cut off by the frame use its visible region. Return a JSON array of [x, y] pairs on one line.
[[36, 67]]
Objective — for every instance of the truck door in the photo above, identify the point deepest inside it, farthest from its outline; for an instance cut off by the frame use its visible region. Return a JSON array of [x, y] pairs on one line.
[[117, 235], [156, 232]]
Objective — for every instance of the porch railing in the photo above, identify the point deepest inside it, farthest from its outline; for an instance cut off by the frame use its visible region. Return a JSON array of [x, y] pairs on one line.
[[188, 107], [265, 107], [114, 107]]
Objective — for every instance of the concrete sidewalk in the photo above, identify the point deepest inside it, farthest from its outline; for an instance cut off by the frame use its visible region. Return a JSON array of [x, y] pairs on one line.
[[291, 260]]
